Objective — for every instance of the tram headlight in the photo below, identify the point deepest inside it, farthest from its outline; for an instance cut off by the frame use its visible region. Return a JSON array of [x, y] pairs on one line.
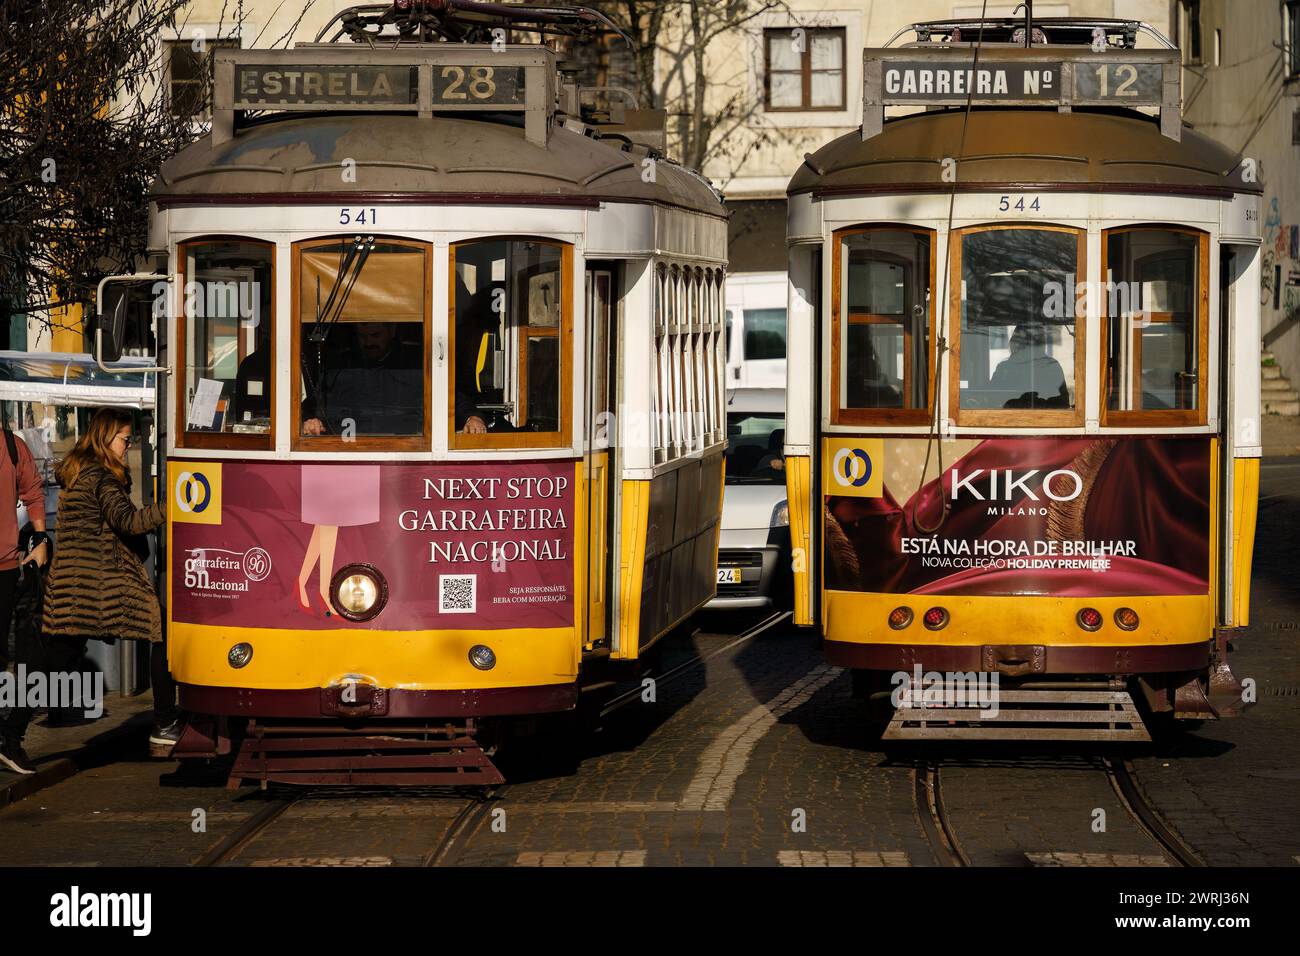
[[936, 619], [900, 617], [358, 592], [482, 657], [240, 655], [780, 515], [1089, 618], [1126, 619]]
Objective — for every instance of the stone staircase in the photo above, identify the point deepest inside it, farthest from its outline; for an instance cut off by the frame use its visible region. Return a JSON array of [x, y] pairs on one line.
[[1279, 397]]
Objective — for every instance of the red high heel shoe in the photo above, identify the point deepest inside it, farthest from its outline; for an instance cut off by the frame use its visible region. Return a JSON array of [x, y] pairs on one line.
[[309, 609]]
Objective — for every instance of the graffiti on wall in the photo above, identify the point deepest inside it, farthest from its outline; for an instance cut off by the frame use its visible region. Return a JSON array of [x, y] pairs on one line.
[[1280, 279]]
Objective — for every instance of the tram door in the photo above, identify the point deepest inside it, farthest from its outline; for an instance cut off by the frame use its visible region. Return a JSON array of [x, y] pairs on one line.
[[600, 450]]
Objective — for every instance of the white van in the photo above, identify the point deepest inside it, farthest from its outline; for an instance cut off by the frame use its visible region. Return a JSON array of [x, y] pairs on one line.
[[756, 330]]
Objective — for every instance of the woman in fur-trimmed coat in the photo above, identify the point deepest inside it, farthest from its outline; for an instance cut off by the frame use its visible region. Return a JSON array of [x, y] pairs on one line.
[[97, 586]]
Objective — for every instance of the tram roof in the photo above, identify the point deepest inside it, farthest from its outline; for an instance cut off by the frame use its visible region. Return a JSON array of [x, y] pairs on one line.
[[445, 159], [1087, 150]]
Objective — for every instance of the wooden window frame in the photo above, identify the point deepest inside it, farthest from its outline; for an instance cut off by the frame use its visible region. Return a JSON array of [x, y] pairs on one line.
[[841, 415], [1161, 417], [1016, 417], [224, 441], [805, 70], [459, 441], [301, 442]]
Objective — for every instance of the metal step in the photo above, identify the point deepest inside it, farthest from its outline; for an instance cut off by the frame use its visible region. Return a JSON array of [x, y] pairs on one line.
[[1024, 713], [376, 755]]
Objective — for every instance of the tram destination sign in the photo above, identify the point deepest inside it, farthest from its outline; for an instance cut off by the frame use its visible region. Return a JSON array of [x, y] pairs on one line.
[[1015, 76], [913, 81], [424, 80], [260, 85]]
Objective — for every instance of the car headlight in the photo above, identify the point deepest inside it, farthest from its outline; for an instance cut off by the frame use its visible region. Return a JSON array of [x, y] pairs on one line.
[[358, 592], [780, 515]]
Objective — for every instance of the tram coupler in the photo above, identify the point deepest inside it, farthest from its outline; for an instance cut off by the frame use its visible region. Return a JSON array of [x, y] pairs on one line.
[[1227, 695], [203, 736]]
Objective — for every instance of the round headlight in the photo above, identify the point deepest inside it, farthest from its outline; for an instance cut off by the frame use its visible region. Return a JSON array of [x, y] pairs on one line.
[[240, 655], [482, 657], [358, 592]]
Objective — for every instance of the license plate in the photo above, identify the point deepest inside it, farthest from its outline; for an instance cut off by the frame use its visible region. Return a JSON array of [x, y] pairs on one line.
[[728, 575]]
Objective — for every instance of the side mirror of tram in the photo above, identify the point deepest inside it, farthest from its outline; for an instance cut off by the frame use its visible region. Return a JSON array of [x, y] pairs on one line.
[[110, 328], [113, 299]]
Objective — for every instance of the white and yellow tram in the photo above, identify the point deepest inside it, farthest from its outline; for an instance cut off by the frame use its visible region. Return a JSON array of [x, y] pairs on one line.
[[1023, 434], [446, 404]]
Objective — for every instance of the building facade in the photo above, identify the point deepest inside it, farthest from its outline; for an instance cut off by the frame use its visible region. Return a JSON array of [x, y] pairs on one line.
[[1241, 85]]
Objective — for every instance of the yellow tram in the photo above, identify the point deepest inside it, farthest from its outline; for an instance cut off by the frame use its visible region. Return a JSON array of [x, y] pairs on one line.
[[1024, 402], [446, 399]]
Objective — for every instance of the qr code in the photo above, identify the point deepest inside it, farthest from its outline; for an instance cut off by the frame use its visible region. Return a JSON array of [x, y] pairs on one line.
[[457, 593]]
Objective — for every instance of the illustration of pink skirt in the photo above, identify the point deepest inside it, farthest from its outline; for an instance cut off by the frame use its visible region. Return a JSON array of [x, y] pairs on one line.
[[341, 496]]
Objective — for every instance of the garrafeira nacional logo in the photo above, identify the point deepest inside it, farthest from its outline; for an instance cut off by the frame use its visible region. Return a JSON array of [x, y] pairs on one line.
[[196, 493], [854, 466]]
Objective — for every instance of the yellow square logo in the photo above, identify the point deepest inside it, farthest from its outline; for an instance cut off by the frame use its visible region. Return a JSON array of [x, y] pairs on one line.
[[854, 467], [196, 492]]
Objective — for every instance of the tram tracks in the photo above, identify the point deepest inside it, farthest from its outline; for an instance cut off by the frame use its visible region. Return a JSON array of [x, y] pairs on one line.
[[946, 846], [633, 695], [450, 844]]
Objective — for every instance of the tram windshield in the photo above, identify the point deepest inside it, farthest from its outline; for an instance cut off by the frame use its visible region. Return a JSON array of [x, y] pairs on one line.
[[1018, 321], [509, 311], [361, 310]]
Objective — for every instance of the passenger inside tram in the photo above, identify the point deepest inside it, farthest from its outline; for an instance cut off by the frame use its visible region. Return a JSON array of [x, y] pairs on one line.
[[1028, 377], [508, 365]]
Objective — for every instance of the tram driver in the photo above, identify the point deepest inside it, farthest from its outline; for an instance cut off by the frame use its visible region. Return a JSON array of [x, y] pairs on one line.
[[376, 385]]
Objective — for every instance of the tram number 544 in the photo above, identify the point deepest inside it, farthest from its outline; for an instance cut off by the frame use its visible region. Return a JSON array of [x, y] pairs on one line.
[[1018, 203]]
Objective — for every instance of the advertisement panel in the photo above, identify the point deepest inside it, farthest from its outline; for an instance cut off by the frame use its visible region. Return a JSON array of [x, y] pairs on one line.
[[460, 546], [1071, 516]]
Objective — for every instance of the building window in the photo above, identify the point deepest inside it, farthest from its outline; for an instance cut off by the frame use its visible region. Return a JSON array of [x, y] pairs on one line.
[[1291, 36], [1156, 337], [190, 76], [1189, 30], [804, 68]]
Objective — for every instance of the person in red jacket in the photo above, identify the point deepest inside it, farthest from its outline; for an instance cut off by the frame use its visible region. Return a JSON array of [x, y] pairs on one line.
[[19, 481]]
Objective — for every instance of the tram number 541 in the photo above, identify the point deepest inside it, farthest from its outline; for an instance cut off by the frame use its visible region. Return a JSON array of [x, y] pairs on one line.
[[1005, 204], [358, 217]]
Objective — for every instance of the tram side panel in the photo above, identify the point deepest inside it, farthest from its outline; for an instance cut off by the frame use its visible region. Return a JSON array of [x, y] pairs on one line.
[[670, 548]]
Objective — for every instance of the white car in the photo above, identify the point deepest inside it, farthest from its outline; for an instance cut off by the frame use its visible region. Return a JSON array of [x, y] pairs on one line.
[[756, 304], [754, 547]]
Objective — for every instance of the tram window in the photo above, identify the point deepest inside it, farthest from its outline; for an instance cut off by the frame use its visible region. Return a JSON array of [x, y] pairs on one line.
[[1155, 329], [361, 339], [1020, 346], [226, 314], [764, 334], [689, 332], [882, 326], [510, 362]]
